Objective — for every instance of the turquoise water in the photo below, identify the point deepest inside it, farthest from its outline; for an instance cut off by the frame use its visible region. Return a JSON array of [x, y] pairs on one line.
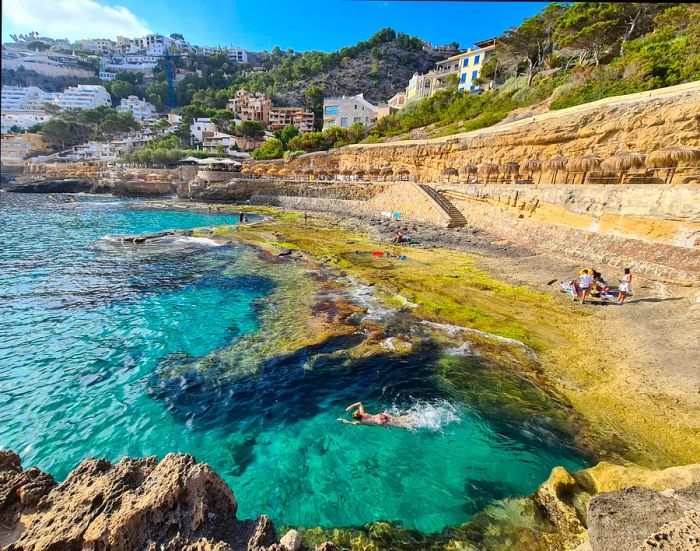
[[90, 330]]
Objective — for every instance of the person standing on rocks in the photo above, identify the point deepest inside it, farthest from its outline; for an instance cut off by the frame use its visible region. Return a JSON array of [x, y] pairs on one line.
[[585, 281], [625, 287]]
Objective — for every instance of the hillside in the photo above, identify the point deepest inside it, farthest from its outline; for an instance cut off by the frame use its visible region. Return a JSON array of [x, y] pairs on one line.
[[379, 73]]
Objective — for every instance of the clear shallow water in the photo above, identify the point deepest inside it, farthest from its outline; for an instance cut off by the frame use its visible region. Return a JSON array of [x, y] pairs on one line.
[[87, 327]]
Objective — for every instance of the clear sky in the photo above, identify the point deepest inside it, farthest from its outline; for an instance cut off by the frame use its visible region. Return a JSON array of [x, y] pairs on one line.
[[261, 24]]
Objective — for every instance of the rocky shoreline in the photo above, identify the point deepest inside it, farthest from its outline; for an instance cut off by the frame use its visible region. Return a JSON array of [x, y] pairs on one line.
[[178, 504]]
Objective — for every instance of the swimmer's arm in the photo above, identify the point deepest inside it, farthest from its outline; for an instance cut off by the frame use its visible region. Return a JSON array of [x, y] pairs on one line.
[[348, 422], [356, 405]]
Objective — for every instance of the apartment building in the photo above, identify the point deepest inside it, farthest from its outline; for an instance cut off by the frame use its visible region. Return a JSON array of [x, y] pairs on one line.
[[250, 106], [24, 98], [140, 109], [300, 117], [200, 126], [219, 142], [344, 111], [99, 45], [471, 63], [22, 120], [83, 96], [17, 147]]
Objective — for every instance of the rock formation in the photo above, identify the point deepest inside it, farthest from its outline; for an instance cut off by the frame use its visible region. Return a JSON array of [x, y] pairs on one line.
[[137, 504]]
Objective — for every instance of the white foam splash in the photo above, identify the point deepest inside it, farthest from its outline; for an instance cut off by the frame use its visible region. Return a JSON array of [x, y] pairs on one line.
[[432, 416]]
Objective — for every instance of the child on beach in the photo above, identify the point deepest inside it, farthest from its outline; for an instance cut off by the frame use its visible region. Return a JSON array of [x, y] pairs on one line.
[[585, 281], [625, 287]]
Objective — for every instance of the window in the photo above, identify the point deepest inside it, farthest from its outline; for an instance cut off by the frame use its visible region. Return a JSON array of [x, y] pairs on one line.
[[465, 63], [464, 78], [357, 119], [355, 106], [476, 59], [331, 110], [343, 121], [475, 74]]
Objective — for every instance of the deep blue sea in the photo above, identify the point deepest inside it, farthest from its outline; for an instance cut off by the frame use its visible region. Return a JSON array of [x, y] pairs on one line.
[[87, 324]]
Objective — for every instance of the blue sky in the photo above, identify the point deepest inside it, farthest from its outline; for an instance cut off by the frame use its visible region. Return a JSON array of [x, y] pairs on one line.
[[261, 24]]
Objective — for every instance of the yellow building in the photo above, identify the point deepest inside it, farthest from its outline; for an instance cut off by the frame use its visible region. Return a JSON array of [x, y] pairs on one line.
[[471, 62], [17, 147]]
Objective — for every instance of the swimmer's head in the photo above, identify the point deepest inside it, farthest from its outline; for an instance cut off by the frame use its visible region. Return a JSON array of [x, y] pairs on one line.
[[357, 415]]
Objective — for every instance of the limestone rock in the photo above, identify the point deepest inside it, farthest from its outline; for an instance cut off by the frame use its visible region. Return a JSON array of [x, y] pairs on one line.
[[132, 505], [679, 535], [19, 490], [291, 540], [554, 496], [622, 520]]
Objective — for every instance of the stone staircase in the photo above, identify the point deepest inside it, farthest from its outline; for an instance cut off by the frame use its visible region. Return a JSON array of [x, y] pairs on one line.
[[457, 219]]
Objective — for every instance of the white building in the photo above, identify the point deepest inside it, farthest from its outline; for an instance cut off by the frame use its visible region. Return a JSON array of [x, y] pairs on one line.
[[83, 96], [200, 126], [23, 120], [136, 63], [95, 151], [219, 142], [346, 110], [24, 98], [107, 76], [141, 109]]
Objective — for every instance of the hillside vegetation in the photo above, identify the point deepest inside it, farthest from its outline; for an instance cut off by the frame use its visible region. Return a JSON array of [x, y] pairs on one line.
[[567, 55]]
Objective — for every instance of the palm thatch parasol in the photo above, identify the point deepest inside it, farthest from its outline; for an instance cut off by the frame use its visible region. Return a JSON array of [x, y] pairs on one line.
[[584, 164], [670, 157], [533, 165], [623, 162], [374, 172], [272, 171], [403, 174], [359, 173], [450, 171], [246, 170], [346, 172], [470, 169], [283, 172], [260, 170], [488, 169], [556, 164]]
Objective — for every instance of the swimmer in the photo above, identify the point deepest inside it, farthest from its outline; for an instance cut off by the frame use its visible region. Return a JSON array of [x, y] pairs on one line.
[[385, 419]]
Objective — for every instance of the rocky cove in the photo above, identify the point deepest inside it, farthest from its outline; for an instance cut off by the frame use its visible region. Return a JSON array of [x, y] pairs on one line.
[[619, 384]]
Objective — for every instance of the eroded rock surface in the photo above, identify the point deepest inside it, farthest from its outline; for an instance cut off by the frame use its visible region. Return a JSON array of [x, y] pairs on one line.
[[639, 518], [137, 504]]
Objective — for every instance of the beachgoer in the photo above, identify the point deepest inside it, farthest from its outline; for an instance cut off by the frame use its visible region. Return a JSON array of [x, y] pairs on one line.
[[398, 238], [625, 287], [599, 283], [584, 282], [306, 217], [240, 217], [384, 419]]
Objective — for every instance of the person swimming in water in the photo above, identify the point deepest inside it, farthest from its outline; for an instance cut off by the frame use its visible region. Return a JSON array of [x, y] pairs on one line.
[[384, 419]]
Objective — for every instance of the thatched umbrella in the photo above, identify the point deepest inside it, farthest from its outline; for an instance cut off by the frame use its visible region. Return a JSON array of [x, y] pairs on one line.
[[556, 164], [450, 171], [386, 171], [283, 172], [488, 169], [584, 164], [623, 162], [532, 166], [403, 174], [259, 171], [359, 173], [246, 170], [374, 172], [670, 157], [346, 172], [510, 168], [272, 171]]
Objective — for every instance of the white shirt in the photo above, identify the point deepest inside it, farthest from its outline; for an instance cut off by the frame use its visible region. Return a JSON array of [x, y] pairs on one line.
[[585, 281]]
